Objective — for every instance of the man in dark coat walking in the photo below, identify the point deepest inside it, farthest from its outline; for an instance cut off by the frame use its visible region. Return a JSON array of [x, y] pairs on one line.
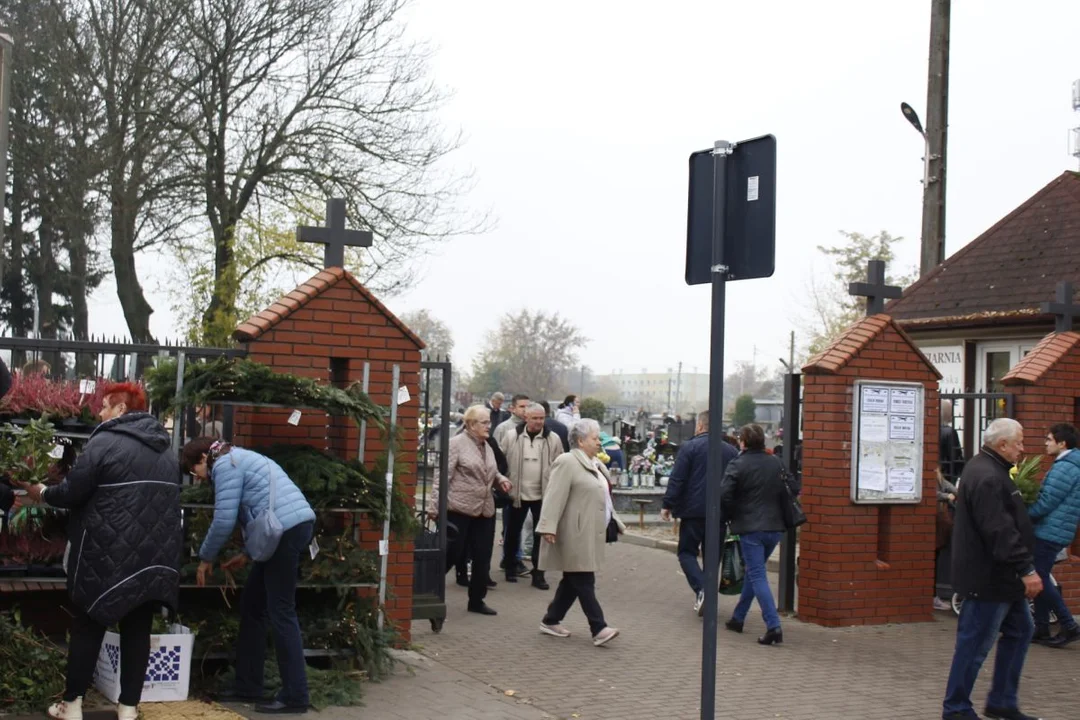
[[994, 571], [685, 499]]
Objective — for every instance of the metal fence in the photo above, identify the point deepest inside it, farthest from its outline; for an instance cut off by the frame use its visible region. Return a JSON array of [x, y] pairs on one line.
[[972, 412]]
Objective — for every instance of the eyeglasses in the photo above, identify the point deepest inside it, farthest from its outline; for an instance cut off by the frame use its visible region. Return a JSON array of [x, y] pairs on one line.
[[482, 422]]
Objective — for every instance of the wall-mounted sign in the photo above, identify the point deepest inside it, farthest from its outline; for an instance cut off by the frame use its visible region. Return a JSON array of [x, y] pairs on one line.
[[887, 442]]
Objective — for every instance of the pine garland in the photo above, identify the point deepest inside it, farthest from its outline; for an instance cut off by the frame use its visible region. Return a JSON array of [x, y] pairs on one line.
[[240, 380]]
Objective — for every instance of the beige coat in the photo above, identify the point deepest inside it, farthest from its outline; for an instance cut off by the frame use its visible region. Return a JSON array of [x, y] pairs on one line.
[[473, 472], [513, 446], [575, 511]]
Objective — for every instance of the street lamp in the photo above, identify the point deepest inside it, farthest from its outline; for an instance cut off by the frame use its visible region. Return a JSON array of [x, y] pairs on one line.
[[913, 118]]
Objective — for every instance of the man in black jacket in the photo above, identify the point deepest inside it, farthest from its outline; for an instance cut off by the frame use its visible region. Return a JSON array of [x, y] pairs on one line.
[[685, 499], [994, 571]]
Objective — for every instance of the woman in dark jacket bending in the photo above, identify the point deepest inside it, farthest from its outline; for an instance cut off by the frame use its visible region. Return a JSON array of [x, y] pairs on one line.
[[125, 534], [751, 496]]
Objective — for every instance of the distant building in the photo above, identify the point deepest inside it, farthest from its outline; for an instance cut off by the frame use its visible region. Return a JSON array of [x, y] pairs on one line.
[[662, 391]]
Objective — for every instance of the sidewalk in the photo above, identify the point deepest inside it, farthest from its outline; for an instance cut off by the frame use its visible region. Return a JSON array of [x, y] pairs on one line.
[[653, 669]]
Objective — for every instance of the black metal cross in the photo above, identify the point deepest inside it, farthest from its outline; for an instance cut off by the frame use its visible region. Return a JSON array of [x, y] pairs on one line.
[[334, 236], [874, 289], [1064, 309]]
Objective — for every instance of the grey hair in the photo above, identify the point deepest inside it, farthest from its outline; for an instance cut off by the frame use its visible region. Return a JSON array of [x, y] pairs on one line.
[[497, 396], [535, 408], [1001, 429], [582, 429]]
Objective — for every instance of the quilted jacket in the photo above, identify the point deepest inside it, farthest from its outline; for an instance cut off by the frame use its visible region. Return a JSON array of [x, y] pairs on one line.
[[242, 492], [125, 531], [1056, 512]]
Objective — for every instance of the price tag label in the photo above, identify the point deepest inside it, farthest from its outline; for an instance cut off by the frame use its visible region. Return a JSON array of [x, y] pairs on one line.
[[384, 547], [57, 452], [294, 419], [403, 395], [87, 387], [313, 548]]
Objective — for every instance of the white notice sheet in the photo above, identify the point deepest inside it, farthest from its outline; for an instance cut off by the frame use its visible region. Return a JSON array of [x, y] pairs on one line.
[[874, 428], [901, 427]]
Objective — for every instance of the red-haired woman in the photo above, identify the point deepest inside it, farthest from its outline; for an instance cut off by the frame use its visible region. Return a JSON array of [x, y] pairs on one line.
[[125, 533]]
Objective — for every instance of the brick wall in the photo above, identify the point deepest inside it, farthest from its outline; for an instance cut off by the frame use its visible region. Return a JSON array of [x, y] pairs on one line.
[[1048, 395], [328, 338], [862, 564]]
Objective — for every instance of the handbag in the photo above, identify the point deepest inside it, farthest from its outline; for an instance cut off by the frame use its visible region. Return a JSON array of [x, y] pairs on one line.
[[612, 531], [732, 567], [263, 533], [791, 507]]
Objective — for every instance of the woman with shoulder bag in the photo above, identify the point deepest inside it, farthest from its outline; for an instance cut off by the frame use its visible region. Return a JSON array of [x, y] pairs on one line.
[[755, 499], [278, 526], [471, 475], [574, 519]]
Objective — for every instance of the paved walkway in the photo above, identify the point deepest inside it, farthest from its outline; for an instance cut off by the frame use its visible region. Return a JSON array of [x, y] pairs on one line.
[[653, 669]]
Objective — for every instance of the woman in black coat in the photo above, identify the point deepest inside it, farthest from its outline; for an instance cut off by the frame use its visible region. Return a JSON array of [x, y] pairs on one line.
[[126, 537], [752, 497]]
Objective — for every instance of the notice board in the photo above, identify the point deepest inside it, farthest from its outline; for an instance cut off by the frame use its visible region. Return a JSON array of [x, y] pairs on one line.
[[887, 442]]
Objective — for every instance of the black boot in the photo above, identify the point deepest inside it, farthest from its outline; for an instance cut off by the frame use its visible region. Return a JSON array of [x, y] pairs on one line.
[[1042, 635], [734, 625], [776, 635], [538, 580], [463, 580]]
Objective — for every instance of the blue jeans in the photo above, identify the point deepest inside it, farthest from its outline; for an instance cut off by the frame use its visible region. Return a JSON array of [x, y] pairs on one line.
[[1050, 598], [980, 623], [756, 548], [271, 592]]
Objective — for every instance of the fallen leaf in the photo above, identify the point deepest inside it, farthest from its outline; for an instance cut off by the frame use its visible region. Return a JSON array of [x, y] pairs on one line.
[[510, 693]]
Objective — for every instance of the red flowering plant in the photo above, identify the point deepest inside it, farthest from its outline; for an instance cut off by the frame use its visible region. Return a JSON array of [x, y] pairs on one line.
[[34, 396]]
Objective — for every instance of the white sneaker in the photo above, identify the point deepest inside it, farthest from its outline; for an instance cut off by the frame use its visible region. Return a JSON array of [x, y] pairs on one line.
[[66, 710], [605, 636], [940, 604], [127, 712], [554, 630], [699, 604]]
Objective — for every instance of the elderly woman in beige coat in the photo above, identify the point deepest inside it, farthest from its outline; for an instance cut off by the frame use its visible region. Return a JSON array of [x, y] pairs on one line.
[[472, 474], [573, 524]]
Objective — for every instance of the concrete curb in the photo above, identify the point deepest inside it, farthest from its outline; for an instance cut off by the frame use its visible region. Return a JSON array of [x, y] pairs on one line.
[[671, 546]]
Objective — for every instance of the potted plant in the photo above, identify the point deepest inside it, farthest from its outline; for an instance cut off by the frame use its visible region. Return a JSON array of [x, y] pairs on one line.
[[34, 534]]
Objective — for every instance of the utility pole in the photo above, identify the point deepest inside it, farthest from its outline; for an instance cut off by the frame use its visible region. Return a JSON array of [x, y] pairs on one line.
[[937, 123], [582, 394], [791, 352]]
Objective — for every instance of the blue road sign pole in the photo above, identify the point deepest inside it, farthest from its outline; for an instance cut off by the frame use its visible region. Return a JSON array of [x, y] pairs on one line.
[[713, 529]]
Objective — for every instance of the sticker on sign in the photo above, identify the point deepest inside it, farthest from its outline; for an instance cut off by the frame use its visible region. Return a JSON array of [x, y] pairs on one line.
[[752, 188]]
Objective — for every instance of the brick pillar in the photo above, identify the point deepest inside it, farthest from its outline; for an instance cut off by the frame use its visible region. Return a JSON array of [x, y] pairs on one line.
[[1046, 383], [327, 329], [863, 564]]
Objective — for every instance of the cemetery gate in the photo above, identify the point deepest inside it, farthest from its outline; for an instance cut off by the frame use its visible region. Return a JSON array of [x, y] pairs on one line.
[[429, 578]]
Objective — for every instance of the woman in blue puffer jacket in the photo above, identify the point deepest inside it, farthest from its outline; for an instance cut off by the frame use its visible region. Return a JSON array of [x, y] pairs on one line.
[[241, 480], [1055, 514]]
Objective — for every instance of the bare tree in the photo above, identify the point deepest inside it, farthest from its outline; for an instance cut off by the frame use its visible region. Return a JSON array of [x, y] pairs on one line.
[[527, 353], [127, 51], [433, 331], [834, 310], [308, 99]]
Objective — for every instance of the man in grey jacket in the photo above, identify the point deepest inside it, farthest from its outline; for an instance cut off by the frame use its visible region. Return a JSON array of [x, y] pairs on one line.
[[530, 451]]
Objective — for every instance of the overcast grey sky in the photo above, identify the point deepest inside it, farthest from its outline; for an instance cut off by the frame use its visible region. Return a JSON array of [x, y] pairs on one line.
[[579, 117]]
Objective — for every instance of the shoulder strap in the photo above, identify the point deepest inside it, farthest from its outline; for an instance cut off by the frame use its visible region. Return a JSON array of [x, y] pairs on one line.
[[273, 495]]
